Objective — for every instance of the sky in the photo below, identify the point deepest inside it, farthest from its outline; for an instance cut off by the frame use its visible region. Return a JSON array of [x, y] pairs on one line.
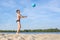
[[45, 15]]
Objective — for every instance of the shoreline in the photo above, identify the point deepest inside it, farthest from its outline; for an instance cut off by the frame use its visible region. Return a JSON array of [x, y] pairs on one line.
[[29, 36], [30, 33]]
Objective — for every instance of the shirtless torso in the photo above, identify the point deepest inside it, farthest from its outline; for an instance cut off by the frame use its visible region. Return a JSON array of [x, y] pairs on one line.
[[18, 18]]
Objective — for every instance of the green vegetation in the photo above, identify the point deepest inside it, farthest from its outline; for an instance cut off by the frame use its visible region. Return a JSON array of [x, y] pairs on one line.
[[36, 30]]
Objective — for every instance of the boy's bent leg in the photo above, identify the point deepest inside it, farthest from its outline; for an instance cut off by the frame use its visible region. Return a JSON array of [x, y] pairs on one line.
[[19, 27]]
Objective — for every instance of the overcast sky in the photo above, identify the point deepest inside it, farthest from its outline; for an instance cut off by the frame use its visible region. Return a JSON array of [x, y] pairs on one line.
[[45, 15]]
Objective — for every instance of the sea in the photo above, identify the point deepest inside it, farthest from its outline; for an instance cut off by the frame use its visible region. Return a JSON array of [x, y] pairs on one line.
[[30, 32]]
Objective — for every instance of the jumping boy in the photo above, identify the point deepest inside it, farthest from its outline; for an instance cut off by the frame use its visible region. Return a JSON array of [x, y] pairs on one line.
[[19, 16]]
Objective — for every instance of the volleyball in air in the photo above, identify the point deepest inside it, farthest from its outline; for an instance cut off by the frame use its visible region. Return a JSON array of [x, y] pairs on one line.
[[33, 5]]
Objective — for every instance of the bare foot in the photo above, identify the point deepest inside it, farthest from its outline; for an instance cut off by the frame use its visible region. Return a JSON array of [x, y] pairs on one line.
[[17, 33]]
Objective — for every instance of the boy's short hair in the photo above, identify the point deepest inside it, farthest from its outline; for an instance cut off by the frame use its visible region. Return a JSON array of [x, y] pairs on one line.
[[17, 10]]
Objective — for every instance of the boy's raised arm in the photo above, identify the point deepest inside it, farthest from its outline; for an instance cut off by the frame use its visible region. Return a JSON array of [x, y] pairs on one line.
[[23, 16]]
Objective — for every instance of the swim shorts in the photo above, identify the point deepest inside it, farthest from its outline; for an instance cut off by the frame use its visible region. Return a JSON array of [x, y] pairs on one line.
[[17, 20]]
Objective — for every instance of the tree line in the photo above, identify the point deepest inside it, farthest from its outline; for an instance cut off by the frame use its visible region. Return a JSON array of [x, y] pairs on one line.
[[35, 30]]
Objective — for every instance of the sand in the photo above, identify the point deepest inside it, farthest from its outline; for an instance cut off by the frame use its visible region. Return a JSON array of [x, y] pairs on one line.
[[29, 36]]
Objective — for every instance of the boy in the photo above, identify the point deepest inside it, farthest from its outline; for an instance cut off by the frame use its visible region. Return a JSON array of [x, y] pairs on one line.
[[19, 16]]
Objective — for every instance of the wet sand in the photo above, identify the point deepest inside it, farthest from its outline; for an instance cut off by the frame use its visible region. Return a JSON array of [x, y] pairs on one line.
[[29, 36]]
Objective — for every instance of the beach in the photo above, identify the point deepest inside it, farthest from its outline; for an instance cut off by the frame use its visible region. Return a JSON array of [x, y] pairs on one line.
[[29, 36]]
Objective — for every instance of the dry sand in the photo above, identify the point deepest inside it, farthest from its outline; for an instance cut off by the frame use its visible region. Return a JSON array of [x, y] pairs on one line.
[[29, 36]]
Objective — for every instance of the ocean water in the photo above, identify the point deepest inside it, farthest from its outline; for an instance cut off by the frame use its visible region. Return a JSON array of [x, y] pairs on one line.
[[30, 32]]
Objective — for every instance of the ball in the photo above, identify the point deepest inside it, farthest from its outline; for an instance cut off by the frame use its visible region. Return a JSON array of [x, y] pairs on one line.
[[33, 5]]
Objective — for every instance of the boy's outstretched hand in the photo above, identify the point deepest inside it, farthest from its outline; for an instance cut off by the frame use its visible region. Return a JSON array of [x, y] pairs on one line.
[[24, 16]]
